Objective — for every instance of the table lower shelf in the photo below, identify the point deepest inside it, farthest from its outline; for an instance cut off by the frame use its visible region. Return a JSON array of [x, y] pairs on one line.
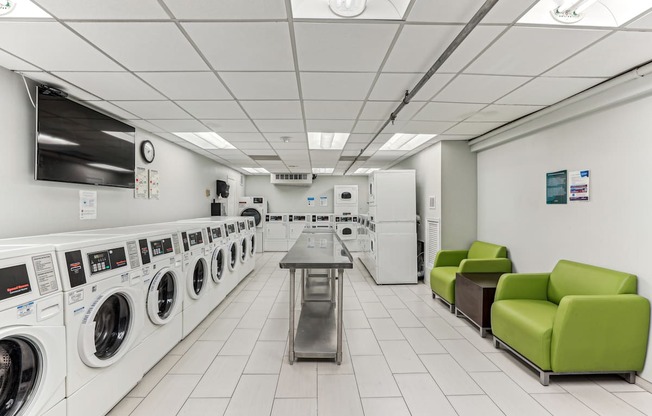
[[317, 331]]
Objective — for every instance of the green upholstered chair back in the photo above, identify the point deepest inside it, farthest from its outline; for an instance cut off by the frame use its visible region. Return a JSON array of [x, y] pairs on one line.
[[571, 278], [482, 250]]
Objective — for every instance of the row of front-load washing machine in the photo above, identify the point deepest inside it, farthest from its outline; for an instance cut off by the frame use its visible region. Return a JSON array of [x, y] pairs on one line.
[[84, 315]]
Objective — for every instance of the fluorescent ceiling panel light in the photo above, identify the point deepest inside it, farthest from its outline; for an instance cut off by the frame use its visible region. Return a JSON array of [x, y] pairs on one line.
[[256, 171], [571, 11], [206, 140], [21, 9], [365, 171], [108, 167], [406, 142], [327, 141], [592, 13], [347, 8], [323, 170]]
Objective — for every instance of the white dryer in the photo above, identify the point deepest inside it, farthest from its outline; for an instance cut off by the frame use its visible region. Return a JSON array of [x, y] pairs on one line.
[[276, 232], [322, 221], [32, 333], [345, 200], [346, 228], [297, 223], [255, 207]]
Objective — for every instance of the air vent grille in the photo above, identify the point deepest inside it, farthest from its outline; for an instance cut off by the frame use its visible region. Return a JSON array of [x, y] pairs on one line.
[[433, 236]]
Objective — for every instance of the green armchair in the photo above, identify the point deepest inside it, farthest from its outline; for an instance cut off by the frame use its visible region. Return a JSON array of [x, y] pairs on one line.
[[577, 319], [480, 258]]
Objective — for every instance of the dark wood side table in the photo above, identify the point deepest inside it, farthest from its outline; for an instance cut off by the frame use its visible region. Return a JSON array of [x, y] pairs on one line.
[[474, 294]]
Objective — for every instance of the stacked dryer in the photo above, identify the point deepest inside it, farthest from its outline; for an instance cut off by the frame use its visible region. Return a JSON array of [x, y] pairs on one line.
[[256, 208], [276, 232], [32, 333], [297, 223], [346, 215]]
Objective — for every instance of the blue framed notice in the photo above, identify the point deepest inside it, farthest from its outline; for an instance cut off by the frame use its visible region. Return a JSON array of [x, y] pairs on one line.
[[557, 187]]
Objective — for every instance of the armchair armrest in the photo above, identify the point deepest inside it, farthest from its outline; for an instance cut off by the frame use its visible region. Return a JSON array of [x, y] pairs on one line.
[[486, 266], [522, 286], [450, 257], [600, 333]]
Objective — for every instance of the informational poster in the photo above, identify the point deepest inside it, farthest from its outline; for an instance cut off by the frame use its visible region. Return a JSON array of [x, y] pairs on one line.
[[154, 190], [556, 187], [142, 184], [87, 205], [578, 185], [323, 201], [311, 201]]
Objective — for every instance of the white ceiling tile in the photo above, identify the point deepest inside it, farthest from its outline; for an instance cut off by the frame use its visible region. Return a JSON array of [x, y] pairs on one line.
[[547, 91], [260, 152], [14, 64], [180, 125], [230, 154], [262, 85], [332, 110], [105, 10], [53, 47], [629, 49], [392, 87], [335, 86], [231, 126], [243, 137], [187, 85], [111, 109], [381, 110], [472, 46], [503, 113], [419, 46], [153, 109], [273, 109], [461, 11], [335, 126], [56, 82], [342, 46], [420, 127], [324, 158], [249, 46], [351, 152], [143, 46], [213, 109], [364, 126], [537, 49], [228, 9], [645, 22], [252, 145], [293, 154], [145, 125], [448, 111], [112, 85], [296, 140], [289, 146], [277, 126], [473, 128], [479, 88], [359, 138]]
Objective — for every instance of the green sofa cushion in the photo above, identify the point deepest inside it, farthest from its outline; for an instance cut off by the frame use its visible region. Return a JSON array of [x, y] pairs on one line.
[[482, 250], [526, 326], [442, 282], [571, 278]]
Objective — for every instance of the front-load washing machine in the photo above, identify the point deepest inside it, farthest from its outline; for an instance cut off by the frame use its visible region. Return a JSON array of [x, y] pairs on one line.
[[255, 207], [297, 223], [246, 258], [232, 252], [253, 240], [32, 333]]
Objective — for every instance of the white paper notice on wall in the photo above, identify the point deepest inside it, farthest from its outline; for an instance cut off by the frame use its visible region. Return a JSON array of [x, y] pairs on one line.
[[323, 201], [311, 201], [153, 184], [578, 185], [142, 184], [87, 205]]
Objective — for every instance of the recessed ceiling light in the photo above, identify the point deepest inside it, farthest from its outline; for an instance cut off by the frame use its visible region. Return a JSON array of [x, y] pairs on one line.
[[592, 13], [21, 9], [327, 141], [347, 8], [365, 171], [406, 142], [206, 140], [285, 139], [258, 171], [323, 170], [571, 11]]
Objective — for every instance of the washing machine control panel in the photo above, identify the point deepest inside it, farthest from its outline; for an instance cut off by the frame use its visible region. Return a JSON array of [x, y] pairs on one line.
[[230, 229], [144, 251], [107, 260], [217, 232], [163, 246]]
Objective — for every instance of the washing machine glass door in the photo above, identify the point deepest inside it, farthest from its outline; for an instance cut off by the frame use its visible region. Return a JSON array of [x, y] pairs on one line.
[[162, 296], [111, 325], [252, 245], [19, 372], [217, 265], [197, 279], [233, 256], [252, 212], [243, 249]]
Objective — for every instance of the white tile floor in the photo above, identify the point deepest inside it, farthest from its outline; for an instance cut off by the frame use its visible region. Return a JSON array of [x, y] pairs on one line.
[[404, 354]]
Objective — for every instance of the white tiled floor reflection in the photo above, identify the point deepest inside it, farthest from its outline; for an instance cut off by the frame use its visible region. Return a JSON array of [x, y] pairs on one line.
[[404, 354]]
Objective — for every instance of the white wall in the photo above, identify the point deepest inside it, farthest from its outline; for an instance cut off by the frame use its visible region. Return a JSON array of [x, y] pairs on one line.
[[613, 229], [29, 207], [284, 198]]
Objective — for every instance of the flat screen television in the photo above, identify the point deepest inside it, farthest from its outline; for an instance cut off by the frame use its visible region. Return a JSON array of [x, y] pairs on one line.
[[76, 144]]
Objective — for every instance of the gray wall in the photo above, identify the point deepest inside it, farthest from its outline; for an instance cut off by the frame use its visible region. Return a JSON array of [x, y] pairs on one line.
[[611, 230], [29, 207], [284, 198]]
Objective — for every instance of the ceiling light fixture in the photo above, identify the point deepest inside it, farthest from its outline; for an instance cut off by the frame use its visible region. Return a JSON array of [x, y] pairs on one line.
[[571, 11], [206, 140], [365, 171], [323, 171], [259, 171], [285, 139], [347, 8], [327, 141], [6, 6], [405, 141]]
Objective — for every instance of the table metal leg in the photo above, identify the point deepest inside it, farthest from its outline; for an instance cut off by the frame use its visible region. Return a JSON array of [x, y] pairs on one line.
[[303, 286], [331, 276], [340, 304], [291, 334]]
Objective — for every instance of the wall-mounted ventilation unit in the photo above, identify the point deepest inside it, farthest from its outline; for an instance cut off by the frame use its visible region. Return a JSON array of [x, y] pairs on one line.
[[433, 243], [297, 179]]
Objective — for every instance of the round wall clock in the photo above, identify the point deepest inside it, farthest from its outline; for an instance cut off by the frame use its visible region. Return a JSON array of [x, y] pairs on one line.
[[147, 151]]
